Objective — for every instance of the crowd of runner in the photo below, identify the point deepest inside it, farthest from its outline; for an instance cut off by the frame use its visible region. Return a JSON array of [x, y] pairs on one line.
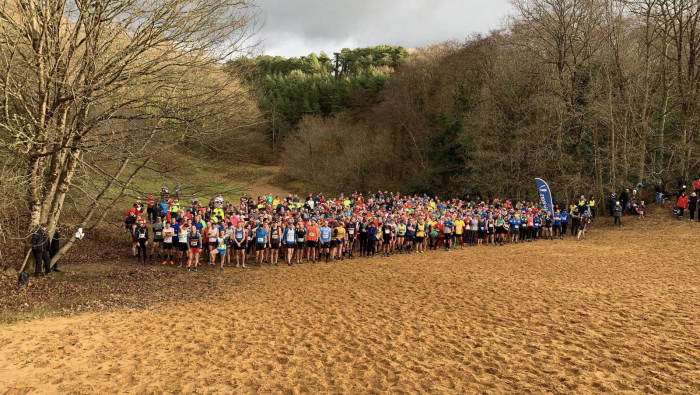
[[269, 229]]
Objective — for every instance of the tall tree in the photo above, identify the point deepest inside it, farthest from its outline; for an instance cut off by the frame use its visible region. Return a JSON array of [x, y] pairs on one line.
[[84, 83]]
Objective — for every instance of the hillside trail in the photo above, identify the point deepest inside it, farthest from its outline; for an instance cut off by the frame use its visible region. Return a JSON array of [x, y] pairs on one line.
[[262, 186]]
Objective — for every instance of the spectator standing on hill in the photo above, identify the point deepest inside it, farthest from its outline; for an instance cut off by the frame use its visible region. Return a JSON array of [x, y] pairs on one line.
[[641, 210], [625, 199], [692, 205], [55, 246], [617, 213], [613, 203], [659, 190], [682, 183], [41, 245], [591, 207], [681, 204]]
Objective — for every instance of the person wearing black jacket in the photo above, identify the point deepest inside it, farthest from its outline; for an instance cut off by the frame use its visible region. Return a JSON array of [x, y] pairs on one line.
[[141, 237], [613, 201], [692, 205], [41, 244], [55, 245], [624, 200]]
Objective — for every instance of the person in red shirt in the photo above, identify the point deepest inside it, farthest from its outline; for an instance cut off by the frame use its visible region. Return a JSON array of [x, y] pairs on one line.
[[312, 240], [150, 208], [681, 204]]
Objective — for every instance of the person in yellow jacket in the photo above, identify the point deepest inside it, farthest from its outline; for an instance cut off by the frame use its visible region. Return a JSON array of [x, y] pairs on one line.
[[420, 236], [175, 207], [459, 232], [591, 206]]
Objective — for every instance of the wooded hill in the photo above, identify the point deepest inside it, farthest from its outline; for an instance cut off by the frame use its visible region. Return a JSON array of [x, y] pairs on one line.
[[592, 95]]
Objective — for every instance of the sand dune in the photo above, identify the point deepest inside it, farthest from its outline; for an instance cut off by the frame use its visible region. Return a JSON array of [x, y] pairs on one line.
[[618, 313]]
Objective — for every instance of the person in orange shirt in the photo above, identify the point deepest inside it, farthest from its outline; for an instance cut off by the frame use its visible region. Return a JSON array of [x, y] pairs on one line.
[[312, 241]]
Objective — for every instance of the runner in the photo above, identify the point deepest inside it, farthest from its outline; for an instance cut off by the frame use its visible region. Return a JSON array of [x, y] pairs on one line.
[[473, 225], [363, 237], [240, 240], [400, 235], [261, 243], [372, 238], [194, 242], [499, 231], [352, 234], [491, 230], [410, 235], [157, 237], [515, 224], [325, 240], [301, 242], [340, 235], [585, 220], [556, 224], [275, 243], [230, 233], [459, 233], [420, 236], [481, 232], [290, 241], [212, 234], [312, 242], [141, 236], [168, 234], [222, 243], [447, 228]]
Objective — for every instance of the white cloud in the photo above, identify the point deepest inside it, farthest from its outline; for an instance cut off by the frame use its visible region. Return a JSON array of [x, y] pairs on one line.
[[299, 27]]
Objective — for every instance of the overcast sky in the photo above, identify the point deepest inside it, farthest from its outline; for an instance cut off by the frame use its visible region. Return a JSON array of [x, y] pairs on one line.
[[299, 27]]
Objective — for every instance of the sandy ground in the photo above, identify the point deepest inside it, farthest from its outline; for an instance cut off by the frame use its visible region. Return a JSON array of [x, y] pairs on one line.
[[617, 313]]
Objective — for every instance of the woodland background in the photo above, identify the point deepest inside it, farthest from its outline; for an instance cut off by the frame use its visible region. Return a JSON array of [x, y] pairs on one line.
[[95, 97]]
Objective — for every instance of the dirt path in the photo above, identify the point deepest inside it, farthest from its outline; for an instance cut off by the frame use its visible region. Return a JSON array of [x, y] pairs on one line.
[[618, 313]]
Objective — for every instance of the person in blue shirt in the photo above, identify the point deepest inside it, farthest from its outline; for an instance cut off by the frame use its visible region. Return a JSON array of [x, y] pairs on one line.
[[447, 227], [371, 237], [564, 223], [163, 210], [325, 238], [289, 239], [557, 224], [261, 242], [481, 231], [515, 224], [536, 221]]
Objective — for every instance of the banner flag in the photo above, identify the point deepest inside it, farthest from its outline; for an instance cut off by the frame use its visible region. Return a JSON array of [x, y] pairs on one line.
[[545, 195]]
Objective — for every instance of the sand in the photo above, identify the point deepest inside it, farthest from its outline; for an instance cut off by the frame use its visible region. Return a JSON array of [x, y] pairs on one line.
[[617, 313]]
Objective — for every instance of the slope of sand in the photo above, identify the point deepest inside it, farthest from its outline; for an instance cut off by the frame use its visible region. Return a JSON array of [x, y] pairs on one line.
[[618, 313]]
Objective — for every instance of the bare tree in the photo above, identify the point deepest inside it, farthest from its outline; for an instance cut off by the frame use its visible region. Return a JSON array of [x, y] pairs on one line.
[[91, 88]]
